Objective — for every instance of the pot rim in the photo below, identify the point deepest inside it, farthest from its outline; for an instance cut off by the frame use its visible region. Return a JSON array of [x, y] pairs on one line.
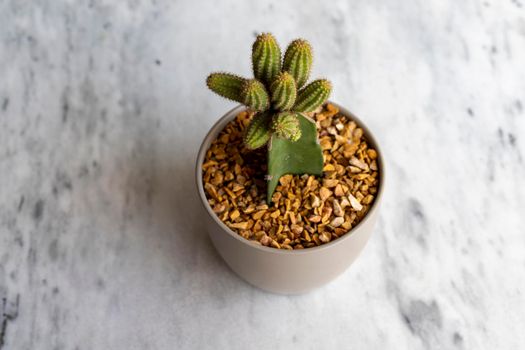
[[202, 196]]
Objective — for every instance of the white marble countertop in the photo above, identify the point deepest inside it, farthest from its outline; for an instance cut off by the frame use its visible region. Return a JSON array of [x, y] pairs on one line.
[[103, 106]]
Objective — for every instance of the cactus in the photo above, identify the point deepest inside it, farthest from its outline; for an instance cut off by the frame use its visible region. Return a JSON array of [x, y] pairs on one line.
[[284, 91], [286, 125], [298, 61], [273, 95], [254, 95], [266, 58], [227, 85], [312, 96], [258, 131]]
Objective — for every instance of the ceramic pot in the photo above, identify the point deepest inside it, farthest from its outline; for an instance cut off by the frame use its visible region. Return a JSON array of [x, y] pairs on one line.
[[287, 271]]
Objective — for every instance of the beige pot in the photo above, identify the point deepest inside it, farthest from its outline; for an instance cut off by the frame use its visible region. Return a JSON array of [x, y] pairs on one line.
[[287, 271]]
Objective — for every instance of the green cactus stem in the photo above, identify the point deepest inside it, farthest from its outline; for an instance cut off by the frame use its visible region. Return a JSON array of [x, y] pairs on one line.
[[254, 95], [286, 125], [227, 85], [312, 96], [258, 131], [283, 91], [298, 61], [266, 58], [303, 156]]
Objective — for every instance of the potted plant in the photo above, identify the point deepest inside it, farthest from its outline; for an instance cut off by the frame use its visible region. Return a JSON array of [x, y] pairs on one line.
[[291, 183]]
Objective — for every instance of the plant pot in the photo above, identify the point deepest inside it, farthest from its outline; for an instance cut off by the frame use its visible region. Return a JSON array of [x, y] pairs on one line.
[[287, 271]]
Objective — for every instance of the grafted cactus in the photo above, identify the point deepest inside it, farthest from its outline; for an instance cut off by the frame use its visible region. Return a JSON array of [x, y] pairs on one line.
[[273, 94], [298, 61]]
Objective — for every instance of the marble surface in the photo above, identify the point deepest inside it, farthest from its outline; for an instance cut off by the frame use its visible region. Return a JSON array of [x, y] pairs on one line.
[[103, 106]]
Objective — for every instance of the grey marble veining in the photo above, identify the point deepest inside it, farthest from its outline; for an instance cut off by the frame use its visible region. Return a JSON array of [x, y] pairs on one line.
[[103, 106]]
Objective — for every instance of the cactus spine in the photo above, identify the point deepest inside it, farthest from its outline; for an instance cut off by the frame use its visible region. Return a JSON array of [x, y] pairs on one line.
[[312, 96], [254, 95], [227, 85], [284, 91], [258, 131], [298, 61], [266, 58], [286, 126]]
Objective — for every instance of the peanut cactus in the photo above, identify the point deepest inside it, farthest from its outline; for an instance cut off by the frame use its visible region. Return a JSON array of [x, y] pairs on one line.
[[312, 96], [266, 58], [254, 95], [284, 91], [286, 126], [279, 106], [258, 132], [227, 85], [298, 61]]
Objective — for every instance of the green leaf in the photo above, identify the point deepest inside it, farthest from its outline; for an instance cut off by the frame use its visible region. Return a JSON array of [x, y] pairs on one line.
[[303, 156]]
